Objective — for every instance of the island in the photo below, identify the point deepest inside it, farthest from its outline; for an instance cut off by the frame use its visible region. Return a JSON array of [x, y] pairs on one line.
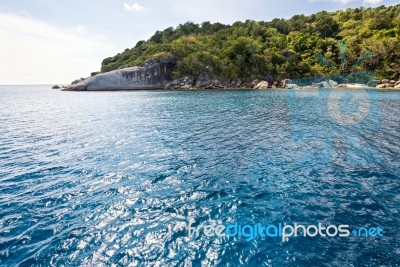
[[282, 53]]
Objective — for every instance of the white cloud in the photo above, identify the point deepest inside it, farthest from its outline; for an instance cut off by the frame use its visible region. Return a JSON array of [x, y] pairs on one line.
[[33, 51], [134, 7]]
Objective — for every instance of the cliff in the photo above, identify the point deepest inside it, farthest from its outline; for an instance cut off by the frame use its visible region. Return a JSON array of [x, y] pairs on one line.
[[153, 75]]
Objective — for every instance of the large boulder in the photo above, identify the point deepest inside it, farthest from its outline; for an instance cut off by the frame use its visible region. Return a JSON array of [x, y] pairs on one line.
[[155, 74], [56, 87], [381, 86], [262, 85], [397, 86]]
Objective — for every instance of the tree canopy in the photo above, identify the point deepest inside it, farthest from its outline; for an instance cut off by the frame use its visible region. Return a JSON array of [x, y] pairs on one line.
[[279, 48]]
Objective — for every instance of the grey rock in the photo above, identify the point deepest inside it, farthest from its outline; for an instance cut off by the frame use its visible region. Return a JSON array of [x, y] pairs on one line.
[[154, 75], [385, 81], [56, 87], [392, 82]]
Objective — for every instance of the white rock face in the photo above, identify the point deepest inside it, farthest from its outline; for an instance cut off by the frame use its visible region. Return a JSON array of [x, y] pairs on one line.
[[332, 83], [292, 86], [262, 85]]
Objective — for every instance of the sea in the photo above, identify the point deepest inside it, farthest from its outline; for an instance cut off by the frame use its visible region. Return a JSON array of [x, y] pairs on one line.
[[128, 178]]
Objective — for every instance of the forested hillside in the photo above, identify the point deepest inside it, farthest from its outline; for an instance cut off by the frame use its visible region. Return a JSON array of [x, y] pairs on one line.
[[279, 48]]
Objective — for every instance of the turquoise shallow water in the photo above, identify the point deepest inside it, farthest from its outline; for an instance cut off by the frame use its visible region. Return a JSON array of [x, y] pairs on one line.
[[96, 178]]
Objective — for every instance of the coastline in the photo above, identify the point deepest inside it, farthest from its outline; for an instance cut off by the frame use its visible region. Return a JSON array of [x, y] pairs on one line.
[[237, 89], [157, 72]]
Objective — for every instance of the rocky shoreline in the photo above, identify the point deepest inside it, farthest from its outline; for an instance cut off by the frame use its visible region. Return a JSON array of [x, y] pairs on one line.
[[156, 73]]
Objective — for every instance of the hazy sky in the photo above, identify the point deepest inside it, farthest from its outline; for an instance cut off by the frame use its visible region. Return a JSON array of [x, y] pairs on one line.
[[57, 41]]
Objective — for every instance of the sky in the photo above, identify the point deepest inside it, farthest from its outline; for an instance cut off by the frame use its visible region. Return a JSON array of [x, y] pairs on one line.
[[58, 41]]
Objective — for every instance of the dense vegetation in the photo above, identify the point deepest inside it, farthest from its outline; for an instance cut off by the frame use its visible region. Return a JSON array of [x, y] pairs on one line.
[[279, 48]]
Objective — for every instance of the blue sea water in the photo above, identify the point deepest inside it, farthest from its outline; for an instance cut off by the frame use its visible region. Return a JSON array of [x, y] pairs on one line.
[[103, 178]]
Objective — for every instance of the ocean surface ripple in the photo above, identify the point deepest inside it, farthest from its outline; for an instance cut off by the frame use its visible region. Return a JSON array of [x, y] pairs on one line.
[[101, 178]]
